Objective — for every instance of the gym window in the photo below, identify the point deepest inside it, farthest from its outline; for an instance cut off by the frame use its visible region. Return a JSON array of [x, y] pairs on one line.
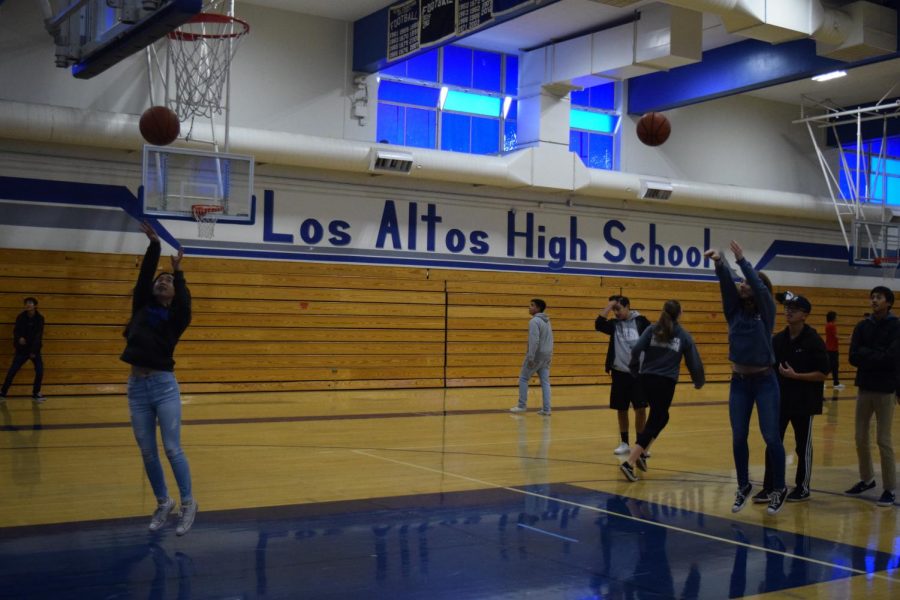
[[879, 178], [450, 98], [594, 126]]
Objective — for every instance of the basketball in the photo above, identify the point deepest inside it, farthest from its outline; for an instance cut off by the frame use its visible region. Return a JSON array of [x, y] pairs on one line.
[[159, 125], [653, 128]]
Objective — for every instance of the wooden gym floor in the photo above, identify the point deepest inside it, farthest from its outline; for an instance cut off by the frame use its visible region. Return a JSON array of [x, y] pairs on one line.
[[428, 493]]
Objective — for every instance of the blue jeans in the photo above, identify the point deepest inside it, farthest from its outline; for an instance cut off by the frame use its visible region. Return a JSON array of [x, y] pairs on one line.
[[543, 371], [152, 398], [20, 359], [762, 389]]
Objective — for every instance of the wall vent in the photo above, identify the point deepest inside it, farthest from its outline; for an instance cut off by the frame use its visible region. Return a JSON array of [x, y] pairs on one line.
[[383, 161], [656, 190]]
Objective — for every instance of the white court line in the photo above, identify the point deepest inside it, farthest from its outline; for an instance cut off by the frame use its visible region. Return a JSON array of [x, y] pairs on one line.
[[545, 532], [629, 517]]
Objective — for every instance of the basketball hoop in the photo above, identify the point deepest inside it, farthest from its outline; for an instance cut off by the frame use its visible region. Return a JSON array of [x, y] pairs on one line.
[[206, 216], [201, 51], [888, 265]]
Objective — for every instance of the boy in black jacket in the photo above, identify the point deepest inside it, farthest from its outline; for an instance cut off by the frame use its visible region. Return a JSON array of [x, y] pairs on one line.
[[28, 336], [875, 352], [802, 368]]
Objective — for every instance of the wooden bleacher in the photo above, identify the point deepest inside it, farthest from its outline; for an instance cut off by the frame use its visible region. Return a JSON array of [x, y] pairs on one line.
[[280, 326]]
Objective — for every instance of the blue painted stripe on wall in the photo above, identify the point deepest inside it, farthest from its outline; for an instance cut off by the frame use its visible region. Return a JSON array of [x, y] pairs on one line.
[[84, 194], [802, 249]]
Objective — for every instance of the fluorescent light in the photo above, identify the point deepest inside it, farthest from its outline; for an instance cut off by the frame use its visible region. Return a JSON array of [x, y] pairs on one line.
[[507, 102], [829, 76], [442, 98]]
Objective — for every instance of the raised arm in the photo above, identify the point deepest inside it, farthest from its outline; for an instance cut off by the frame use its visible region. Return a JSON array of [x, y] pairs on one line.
[[143, 289], [765, 304], [603, 322], [731, 301]]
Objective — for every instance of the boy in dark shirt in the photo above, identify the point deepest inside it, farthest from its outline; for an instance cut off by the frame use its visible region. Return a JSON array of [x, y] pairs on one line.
[[28, 335], [802, 368]]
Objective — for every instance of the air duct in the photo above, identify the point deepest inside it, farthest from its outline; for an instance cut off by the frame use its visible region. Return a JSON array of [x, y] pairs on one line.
[[853, 32], [53, 125]]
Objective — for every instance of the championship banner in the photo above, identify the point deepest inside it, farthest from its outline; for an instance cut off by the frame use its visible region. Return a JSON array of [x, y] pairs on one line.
[[403, 29], [437, 21], [472, 14]]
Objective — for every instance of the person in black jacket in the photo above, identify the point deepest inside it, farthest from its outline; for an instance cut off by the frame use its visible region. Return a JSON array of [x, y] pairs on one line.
[[623, 331], [28, 335], [160, 313], [875, 352], [803, 367]]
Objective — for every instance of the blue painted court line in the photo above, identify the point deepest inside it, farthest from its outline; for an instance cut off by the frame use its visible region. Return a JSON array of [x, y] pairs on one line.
[[454, 545]]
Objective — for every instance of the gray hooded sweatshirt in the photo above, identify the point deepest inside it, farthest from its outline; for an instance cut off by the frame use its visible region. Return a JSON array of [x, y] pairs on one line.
[[540, 340]]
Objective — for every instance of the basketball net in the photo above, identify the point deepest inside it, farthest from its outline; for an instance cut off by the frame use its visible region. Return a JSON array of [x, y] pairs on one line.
[[206, 216], [197, 70], [856, 182]]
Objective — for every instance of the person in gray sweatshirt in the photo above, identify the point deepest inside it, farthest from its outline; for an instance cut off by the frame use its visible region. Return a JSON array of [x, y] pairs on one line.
[[537, 358], [655, 360], [623, 331]]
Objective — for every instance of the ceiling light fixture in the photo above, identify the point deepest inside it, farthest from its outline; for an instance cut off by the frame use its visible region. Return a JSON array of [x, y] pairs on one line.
[[829, 76]]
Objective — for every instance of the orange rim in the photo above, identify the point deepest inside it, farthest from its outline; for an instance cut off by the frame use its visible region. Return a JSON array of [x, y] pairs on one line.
[[185, 36]]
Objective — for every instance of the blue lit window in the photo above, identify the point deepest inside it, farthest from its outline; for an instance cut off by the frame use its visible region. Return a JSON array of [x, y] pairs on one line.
[[879, 177], [594, 126], [464, 98]]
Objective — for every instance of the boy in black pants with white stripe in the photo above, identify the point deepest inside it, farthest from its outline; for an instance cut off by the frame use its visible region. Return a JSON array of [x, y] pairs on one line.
[[802, 369]]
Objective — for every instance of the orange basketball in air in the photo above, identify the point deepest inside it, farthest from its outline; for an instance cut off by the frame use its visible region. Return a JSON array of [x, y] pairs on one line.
[[653, 128]]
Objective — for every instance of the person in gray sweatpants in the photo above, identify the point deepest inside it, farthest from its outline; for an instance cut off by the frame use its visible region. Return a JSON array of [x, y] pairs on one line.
[[537, 358]]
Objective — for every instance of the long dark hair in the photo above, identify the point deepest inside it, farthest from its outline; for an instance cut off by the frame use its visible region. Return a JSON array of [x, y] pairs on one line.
[[665, 327]]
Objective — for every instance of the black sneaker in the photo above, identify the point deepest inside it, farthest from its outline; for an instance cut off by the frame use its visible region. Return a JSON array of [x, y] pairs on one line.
[[887, 499], [762, 497], [798, 494], [740, 498], [641, 463], [859, 488], [628, 471], [776, 501]]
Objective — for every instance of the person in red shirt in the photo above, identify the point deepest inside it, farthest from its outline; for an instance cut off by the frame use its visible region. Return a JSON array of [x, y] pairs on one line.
[[831, 345]]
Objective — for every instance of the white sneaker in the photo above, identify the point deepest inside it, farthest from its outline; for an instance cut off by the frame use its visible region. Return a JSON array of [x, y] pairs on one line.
[[186, 518], [622, 448], [161, 514], [839, 386], [517, 409]]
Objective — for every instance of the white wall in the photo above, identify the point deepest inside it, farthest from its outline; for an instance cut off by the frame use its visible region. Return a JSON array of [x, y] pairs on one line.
[[292, 75], [739, 140]]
